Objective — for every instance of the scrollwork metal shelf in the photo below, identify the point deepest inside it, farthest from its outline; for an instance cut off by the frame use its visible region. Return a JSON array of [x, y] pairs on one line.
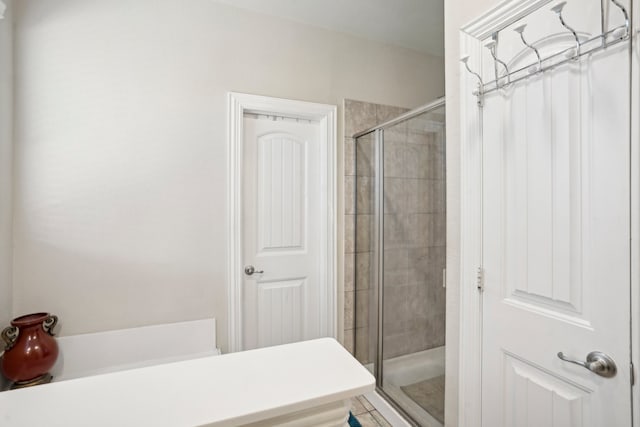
[[571, 54]]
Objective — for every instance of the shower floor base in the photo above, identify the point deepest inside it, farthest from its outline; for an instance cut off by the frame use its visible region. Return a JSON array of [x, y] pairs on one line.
[[416, 383], [429, 394]]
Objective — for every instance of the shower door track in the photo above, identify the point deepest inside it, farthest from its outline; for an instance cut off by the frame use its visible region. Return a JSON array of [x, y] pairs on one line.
[[406, 116]]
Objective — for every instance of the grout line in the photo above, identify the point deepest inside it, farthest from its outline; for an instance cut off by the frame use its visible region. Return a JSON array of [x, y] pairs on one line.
[[365, 405]]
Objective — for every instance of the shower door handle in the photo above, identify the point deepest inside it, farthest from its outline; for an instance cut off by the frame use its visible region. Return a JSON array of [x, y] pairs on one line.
[[597, 362]]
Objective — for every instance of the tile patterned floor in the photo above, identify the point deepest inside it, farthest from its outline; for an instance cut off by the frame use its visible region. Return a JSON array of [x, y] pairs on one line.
[[366, 413]]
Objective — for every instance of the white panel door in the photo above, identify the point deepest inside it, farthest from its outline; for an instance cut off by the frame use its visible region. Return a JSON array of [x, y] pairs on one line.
[[556, 215], [281, 241]]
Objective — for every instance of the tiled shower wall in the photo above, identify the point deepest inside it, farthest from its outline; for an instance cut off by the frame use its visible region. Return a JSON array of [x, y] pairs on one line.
[[359, 116], [414, 232], [414, 236]]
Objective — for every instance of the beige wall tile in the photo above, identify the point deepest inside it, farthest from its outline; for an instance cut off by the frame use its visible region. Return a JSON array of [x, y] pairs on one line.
[[362, 308], [349, 310], [358, 116], [395, 325], [416, 193], [349, 271], [349, 194], [396, 302], [416, 161], [364, 233], [396, 267], [437, 229], [397, 345], [349, 233], [364, 195], [349, 156], [436, 203], [365, 156], [395, 195], [396, 133], [397, 230], [349, 341], [426, 264], [384, 113], [436, 161], [362, 345], [419, 137], [394, 159], [425, 196], [430, 229], [417, 300], [363, 273]]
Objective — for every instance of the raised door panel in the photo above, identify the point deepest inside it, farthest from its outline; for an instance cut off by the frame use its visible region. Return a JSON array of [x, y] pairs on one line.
[[280, 312], [537, 398], [542, 192], [282, 179]]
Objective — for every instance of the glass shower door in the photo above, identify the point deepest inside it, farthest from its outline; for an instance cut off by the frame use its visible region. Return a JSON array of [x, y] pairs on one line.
[[366, 300], [413, 248], [400, 259]]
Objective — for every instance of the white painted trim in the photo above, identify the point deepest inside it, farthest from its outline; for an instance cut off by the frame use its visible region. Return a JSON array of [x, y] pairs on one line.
[[386, 410], [504, 14], [472, 36], [93, 354], [326, 115], [470, 345], [635, 215], [3, 8]]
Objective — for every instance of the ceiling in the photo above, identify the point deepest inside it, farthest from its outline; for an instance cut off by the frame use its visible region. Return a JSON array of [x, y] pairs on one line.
[[413, 24]]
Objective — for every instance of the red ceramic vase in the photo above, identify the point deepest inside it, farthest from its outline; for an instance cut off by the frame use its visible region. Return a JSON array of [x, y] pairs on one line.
[[30, 350]]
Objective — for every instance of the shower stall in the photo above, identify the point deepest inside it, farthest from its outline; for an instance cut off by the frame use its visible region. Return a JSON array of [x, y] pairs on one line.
[[400, 241]]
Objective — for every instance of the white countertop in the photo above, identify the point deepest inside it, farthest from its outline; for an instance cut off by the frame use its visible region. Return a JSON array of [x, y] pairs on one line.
[[231, 389]]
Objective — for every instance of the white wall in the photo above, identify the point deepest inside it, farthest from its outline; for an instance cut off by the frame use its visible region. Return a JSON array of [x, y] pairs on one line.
[[120, 145], [456, 14], [6, 155]]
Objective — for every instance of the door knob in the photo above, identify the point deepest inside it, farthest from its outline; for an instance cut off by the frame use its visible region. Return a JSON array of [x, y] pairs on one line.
[[249, 270], [597, 362]]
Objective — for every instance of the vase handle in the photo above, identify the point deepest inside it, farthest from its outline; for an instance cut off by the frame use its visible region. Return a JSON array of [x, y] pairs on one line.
[[49, 323], [10, 336]]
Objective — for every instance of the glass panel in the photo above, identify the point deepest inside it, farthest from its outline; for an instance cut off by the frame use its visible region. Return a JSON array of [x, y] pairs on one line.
[[413, 333], [400, 257], [365, 300]]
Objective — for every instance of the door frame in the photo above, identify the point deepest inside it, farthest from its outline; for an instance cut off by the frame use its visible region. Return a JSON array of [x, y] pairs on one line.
[[472, 36], [635, 210], [237, 105]]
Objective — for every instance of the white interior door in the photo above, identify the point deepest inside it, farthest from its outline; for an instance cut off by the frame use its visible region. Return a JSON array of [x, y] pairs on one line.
[[556, 215], [281, 231]]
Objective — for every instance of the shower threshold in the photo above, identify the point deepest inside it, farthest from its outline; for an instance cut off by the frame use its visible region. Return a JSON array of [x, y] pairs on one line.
[[413, 385]]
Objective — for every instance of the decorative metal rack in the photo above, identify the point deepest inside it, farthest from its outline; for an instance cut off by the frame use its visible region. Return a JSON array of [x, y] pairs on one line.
[[572, 53]]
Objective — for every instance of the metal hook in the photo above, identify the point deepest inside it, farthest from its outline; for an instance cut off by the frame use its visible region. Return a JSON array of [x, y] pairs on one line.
[[491, 45], [620, 33], [520, 30], [465, 61], [558, 10]]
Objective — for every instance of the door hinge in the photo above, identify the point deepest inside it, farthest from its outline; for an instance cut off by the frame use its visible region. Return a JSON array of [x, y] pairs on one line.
[[480, 279], [633, 374]]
